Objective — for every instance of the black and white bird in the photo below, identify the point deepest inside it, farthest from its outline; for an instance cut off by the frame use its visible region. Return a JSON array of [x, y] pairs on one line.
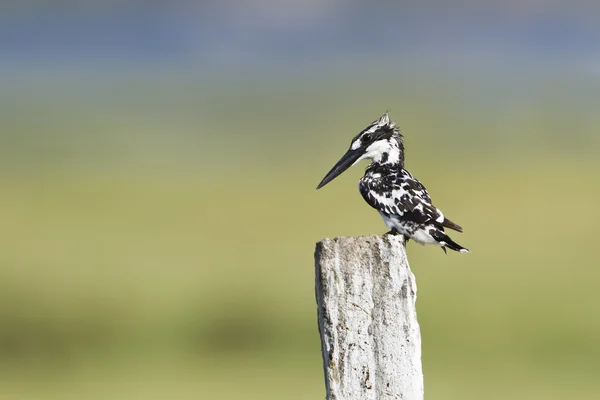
[[401, 199]]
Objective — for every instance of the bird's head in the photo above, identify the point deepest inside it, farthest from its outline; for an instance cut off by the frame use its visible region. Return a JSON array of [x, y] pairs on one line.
[[379, 142]]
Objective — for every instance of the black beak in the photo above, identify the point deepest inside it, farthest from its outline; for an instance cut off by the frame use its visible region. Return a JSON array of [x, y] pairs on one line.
[[345, 162]]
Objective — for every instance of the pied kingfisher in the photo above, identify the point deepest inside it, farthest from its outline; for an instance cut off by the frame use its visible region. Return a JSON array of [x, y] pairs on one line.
[[401, 199]]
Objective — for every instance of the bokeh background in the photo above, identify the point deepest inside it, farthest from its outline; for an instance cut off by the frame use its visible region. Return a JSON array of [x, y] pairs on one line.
[[158, 165]]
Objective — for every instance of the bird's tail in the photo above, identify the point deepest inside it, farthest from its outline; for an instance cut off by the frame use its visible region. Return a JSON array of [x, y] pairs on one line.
[[445, 241]]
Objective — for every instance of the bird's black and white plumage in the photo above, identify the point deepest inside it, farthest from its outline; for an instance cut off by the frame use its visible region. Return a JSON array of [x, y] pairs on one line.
[[402, 201]]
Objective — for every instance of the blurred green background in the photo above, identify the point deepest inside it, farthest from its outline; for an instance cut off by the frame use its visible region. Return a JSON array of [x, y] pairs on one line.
[[159, 209]]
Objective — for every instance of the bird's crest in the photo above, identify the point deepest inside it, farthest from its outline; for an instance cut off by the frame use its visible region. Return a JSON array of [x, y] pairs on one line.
[[384, 120]]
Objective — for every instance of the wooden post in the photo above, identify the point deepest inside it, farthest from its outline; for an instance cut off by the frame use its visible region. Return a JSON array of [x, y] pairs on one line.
[[370, 336]]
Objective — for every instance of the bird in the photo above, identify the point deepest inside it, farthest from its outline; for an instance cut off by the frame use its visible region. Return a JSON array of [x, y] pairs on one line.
[[402, 201]]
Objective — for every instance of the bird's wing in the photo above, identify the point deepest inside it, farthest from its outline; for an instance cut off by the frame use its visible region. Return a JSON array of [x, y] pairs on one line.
[[403, 195]]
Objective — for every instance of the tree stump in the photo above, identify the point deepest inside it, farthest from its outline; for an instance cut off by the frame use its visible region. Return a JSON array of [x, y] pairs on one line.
[[370, 336]]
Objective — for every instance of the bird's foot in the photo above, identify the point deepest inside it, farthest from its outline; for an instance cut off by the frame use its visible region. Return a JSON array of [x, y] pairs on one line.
[[394, 232]]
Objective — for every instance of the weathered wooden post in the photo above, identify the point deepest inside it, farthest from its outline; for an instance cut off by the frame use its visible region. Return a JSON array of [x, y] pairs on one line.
[[370, 337]]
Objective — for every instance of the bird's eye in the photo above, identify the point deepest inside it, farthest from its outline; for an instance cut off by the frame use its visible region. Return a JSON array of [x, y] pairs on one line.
[[366, 137]]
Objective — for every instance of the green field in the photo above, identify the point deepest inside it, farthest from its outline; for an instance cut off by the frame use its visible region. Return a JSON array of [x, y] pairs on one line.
[[161, 247]]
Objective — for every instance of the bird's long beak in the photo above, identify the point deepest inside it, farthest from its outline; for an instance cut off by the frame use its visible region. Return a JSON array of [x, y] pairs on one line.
[[345, 162]]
